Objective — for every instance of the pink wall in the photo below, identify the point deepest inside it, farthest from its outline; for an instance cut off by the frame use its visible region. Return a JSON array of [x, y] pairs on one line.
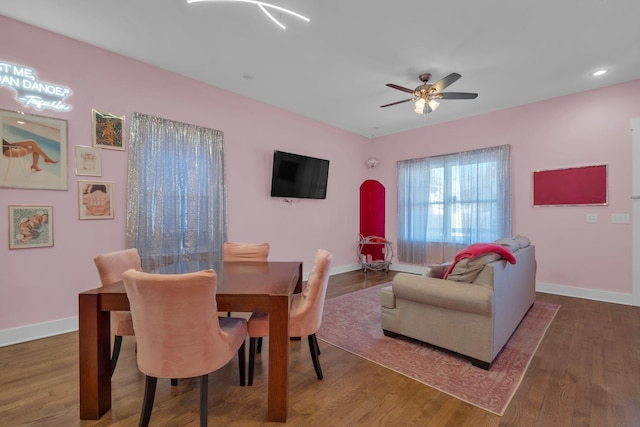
[[584, 129], [41, 284]]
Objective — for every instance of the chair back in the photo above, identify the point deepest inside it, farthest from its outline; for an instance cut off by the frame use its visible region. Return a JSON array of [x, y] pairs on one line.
[[234, 251], [112, 264], [176, 323], [307, 307]]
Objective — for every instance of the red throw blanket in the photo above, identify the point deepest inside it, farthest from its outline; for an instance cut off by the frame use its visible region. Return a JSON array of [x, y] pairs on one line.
[[476, 249]]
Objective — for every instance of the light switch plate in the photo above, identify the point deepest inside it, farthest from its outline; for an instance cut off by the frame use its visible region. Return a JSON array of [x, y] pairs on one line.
[[619, 218], [592, 218]]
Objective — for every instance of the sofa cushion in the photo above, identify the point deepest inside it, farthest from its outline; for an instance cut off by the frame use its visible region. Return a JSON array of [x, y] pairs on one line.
[[513, 243], [467, 269], [437, 270], [477, 256], [523, 241], [509, 243]]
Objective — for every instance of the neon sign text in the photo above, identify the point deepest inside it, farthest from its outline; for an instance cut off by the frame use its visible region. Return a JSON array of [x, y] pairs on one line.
[[32, 92]]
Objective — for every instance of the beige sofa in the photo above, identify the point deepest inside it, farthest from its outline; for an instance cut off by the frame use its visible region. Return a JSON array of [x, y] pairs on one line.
[[475, 312]]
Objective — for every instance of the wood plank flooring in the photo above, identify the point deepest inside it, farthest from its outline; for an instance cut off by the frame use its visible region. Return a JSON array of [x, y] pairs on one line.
[[586, 372]]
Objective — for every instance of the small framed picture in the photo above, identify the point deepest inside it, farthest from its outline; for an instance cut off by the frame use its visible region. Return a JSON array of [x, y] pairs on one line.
[[95, 199], [88, 161], [30, 226], [108, 129]]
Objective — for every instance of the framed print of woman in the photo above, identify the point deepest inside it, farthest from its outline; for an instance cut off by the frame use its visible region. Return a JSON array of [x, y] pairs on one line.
[[95, 199], [34, 151]]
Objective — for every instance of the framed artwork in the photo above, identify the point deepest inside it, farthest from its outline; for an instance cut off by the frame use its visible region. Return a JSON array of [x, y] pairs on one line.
[[107, 130], [95, 199], [88, 161], [34, 151], [30, 226], [583, 185]]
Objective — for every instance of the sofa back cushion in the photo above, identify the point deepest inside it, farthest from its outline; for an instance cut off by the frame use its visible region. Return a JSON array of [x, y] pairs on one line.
[[437, 270], [476, 259], [467, 269]]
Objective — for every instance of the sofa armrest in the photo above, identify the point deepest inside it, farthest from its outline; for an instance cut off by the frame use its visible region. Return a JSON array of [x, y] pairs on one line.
[[447, 294]]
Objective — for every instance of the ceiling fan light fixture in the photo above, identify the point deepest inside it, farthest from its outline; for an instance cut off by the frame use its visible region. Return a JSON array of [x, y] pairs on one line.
[[422, 106], [426, 96]]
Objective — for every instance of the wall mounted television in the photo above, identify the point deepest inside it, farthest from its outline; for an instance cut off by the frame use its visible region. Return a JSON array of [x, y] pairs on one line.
[[299, 176]]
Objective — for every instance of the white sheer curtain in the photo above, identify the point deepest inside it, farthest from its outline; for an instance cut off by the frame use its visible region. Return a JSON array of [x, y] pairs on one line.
[[176, 194], [448, 202]]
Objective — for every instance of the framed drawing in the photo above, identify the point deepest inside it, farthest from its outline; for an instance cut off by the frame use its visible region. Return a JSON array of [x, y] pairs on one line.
[[583, 185], [30, 226], [88, 161], [107, 130], [34, 151], [95, 199]]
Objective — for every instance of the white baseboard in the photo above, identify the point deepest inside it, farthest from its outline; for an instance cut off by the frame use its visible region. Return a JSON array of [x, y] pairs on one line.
[[62, 326], [592, 294], [408, 268], [37, 331], [70, 324]]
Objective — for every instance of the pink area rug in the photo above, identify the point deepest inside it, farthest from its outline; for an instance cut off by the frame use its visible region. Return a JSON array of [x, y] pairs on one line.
[[352, 322]]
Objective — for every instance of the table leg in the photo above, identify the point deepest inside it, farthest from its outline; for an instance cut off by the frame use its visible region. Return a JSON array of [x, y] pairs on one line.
[[278, 400], [95, 368]]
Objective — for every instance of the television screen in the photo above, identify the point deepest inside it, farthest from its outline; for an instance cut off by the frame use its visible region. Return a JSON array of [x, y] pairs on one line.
[[299, 176]]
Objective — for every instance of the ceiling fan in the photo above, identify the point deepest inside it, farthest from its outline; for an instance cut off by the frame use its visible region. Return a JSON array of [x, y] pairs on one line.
[[426, 95]]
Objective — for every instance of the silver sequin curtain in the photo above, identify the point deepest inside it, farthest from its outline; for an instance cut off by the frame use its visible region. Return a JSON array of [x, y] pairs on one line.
[[176, 214]]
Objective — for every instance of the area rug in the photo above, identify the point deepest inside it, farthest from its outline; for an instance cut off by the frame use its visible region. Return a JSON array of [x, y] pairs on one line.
[[352, 322]]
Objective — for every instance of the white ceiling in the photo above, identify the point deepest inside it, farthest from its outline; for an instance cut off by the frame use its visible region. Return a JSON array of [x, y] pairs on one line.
[[334, 68]]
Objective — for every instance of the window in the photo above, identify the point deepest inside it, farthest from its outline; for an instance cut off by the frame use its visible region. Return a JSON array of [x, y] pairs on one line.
[[448, 202], [176, 193]]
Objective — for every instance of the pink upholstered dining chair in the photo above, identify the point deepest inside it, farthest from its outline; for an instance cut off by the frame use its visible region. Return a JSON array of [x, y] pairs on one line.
[[179, 333], [234, 251], [110, 266], [305, 314]]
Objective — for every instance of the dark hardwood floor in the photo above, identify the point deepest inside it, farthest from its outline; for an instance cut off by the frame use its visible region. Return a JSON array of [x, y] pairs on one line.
[[586, 372]]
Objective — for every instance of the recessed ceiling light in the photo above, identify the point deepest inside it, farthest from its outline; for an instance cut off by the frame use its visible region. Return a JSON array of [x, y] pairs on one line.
[[599, 73]]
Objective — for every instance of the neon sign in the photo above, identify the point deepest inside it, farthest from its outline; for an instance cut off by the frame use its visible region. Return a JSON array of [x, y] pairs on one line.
[[32, 92]]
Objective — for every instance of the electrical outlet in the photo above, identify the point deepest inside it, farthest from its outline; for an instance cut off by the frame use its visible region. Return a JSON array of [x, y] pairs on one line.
[[619, 218], [592, 218]]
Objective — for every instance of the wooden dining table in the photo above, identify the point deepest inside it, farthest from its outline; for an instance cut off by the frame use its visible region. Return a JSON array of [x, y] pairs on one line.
[[242, 287]]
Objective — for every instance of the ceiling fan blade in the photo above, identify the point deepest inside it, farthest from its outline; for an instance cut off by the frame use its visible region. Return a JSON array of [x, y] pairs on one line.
[[395, 103], [443, 83], [404, 89], [456, 95]]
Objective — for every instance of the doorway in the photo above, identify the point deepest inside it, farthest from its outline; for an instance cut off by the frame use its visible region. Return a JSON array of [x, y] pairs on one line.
[[635, 211]]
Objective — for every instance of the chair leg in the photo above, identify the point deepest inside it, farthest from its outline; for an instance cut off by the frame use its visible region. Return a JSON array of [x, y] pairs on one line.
[[259, 350], [147, 403], [252, 358], [317, 346], [314, 349], [241, 363], [204, 399], [174, 381], [117, 344]]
